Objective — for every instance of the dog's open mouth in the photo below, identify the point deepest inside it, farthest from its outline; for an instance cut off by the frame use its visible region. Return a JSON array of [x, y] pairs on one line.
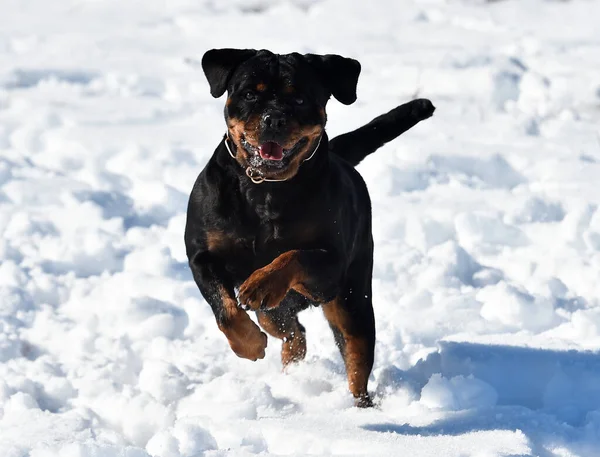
[[271, 154], [271, 151]]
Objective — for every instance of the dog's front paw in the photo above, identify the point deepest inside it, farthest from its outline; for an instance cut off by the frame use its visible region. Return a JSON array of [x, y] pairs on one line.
[[422, 108], [245, 337], [264, 289]]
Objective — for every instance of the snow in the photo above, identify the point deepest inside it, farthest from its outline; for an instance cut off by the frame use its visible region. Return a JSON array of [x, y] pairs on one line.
[[486, 226]]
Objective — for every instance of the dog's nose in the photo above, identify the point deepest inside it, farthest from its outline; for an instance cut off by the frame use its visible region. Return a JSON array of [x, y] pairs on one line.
[[273, 120]]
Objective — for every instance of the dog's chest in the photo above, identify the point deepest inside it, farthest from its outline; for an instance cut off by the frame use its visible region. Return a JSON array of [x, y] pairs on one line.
[[254, 231], [267, 207], [263, 233]]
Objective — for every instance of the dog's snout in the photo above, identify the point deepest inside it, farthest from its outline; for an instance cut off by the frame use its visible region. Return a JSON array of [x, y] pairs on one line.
[[273, 120]]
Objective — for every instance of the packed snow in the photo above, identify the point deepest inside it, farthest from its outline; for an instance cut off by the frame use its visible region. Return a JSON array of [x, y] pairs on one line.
[[486, 227]]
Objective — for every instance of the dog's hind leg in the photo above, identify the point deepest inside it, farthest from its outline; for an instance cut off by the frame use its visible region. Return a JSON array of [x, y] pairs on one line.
[[283, 323], [352, 321], [356, 145]]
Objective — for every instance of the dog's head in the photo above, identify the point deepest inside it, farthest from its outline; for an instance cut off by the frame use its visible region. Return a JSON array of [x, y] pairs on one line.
[[275, 109]]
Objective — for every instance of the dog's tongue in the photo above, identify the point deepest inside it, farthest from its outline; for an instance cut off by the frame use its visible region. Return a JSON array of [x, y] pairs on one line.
[[271, 151]]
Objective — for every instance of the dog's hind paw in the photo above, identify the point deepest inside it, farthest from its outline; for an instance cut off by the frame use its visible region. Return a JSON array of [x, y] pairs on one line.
[[364, 401]]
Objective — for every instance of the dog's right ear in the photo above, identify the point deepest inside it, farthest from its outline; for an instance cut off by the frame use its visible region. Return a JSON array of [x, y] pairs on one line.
[[339, 75], [219, 64]]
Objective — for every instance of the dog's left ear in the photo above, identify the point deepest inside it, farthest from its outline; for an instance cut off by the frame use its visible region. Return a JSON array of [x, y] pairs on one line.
[[219, 64], [339, 74]]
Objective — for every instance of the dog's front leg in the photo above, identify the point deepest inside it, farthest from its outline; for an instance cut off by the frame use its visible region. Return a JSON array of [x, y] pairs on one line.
[[314, 273], [243, 335]]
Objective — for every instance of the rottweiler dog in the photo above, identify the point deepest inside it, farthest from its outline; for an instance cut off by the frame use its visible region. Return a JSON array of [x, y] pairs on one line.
[[279, 219]]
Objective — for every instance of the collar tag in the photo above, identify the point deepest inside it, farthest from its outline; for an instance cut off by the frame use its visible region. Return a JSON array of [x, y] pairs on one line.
[[254, 175]]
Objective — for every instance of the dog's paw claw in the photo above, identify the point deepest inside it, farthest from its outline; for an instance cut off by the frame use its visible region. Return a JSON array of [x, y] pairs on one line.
[[264, 303]]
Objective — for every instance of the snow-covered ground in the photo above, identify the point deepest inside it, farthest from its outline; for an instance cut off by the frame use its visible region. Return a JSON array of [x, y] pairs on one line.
[[487, 230]]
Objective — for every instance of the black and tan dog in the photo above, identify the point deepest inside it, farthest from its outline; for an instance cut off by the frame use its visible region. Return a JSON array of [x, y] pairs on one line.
[[280, 214]]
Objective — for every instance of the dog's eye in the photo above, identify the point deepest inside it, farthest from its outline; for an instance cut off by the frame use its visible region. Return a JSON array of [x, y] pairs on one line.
[[249, 95]]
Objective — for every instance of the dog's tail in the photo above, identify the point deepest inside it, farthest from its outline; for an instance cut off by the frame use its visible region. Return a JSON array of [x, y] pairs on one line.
[[356, 145]]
